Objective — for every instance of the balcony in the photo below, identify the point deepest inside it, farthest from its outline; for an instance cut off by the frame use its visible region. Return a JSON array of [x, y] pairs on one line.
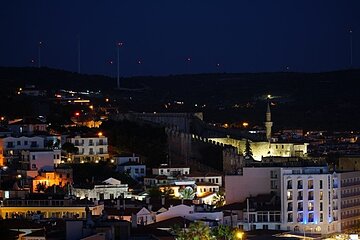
[[289, 208], [311, 198], [300, 208], [352, 183], [311, 186]]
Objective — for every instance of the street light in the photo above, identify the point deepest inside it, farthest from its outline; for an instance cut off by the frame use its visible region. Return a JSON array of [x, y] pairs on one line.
[[239, 234]]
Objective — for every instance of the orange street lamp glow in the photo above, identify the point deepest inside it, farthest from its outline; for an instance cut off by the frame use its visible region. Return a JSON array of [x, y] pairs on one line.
[[245, 124], [239, 235], [100, 134]]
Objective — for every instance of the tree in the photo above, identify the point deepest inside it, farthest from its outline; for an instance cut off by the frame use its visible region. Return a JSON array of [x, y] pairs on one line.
[[69, 148], [187, 193], [248, 152], [55, 189], [223, 232], [40, 187], [227, 233], [219, 199], [196, 231]]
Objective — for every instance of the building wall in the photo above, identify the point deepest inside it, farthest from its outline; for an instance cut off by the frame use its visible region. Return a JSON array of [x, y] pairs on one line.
[[49, 212], [252, 182], [42, 160], [134, 171], [122, 160], [90, 148], [266, 149], [11, 147], [211, 179], [307, 202], [349, 163], [176, 211], [169, 171], [349, 199], [99, 191]]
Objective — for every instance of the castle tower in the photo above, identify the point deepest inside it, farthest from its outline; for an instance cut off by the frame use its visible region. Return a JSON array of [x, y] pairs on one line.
[[268, 122]]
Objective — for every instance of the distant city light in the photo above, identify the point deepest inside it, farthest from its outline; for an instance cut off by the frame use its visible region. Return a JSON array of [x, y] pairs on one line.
[[77, 114], [245, 124], [100, 134]]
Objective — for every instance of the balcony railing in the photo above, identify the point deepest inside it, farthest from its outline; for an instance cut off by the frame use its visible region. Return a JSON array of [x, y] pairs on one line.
[[350, 183], [350, 194]]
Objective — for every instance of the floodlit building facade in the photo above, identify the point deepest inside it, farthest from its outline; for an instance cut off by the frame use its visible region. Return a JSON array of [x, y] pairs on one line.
[[310, 197], [91, 148]]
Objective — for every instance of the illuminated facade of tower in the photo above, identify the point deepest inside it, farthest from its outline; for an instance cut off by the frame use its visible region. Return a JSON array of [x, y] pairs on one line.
[[268, 122]]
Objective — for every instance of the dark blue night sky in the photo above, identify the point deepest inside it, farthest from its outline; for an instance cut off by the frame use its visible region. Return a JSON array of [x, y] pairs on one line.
[[240, 35]]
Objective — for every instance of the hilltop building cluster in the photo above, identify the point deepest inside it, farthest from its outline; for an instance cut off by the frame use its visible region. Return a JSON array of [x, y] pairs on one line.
[[220, 177]]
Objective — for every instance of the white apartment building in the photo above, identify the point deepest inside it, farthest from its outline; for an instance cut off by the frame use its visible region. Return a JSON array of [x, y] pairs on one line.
[[207, 177], [307, 205], [308, 195], [166, 170], [91, 148], [11, 147]]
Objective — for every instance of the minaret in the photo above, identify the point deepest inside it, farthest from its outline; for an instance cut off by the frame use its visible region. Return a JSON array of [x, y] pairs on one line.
[[268, 122]]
